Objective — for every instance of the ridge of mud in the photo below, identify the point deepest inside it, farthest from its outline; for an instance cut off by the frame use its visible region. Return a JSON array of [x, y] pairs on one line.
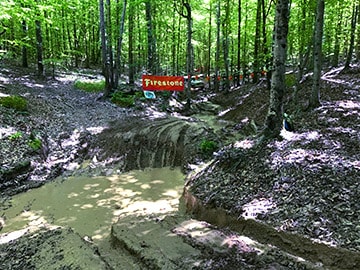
[[321, 255], [155, 143]]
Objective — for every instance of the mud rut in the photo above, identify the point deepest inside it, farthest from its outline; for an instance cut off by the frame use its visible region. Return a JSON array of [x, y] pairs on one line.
[[167, 241]]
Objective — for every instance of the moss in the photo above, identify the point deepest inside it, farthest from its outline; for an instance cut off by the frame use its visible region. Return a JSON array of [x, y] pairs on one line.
[[17, 103]]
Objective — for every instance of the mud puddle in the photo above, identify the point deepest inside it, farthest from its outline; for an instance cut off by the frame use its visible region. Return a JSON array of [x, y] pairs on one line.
[[90, 205]]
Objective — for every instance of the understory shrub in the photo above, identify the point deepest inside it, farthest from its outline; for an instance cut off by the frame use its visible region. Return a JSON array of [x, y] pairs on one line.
[[17, 103], [208, 146], [35, 144], [90, 86], [122, 99]]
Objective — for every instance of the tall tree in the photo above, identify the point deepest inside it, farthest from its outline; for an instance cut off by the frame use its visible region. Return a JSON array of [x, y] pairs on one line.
[[317, 54], [131, 44], [225, 36], [237, 79], [39, 45], [104, 51], [120, 24], [338, 30], [217, 52], [24, 47], [257, 43], [352, 35], [275, 113], [152, 57], [186, 13]]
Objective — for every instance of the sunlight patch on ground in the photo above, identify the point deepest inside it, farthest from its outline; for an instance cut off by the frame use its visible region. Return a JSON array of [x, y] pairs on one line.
[[349, 104], [256, 207], [6, 131], [293, 136], [153, 113], [4, 79], [33, 85], [244, 144], [95, 130], [204, 233]]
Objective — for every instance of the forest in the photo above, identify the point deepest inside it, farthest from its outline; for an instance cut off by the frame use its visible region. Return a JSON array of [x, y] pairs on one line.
[[252, 165], [233, 37]]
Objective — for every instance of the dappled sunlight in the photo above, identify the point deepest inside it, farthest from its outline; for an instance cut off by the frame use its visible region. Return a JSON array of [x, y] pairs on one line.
[[153, 113], [313, 159], [349, 104], [95, 130], [244, 144], [294, 136], [257, 207], [203, 233], [33, 85], [6, 131], [91, 204], [5, 80]]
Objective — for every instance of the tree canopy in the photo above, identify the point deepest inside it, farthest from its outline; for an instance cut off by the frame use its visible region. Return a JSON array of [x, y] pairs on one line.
[[71, 33]]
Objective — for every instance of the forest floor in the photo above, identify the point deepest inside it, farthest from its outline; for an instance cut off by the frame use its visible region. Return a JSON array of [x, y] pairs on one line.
[[307, 182]]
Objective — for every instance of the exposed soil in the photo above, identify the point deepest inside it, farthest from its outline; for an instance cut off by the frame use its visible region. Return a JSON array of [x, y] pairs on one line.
[[307, 183]]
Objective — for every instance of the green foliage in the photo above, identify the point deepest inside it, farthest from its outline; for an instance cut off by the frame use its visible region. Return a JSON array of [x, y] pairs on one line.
[[90, 86], [290, 79], [208, 146], [35, 144], [14, 102], [15, 136], [122, 99]]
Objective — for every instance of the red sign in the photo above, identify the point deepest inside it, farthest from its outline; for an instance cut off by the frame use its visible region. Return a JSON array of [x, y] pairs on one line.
[[162, 83]]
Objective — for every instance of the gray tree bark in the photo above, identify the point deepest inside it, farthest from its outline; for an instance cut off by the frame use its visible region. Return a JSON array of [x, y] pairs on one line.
[[274, 117], [319, 25], [352, 36], [119, 44]]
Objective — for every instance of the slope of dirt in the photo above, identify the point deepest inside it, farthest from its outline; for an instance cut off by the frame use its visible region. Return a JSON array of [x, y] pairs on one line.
[[308, 182]]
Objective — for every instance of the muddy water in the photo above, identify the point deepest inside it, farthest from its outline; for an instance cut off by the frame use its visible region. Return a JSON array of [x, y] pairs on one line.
[[91, 204]]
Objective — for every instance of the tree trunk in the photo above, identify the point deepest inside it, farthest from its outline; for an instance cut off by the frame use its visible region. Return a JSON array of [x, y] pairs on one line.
[[24, 48], [217, 53], [189, 54], [76, 41], [226, 46], [131, 45], [267, 59], [338, 30], [152, 59], [39, 49], [209, 44], [274, 116], [352, 36], [257, 43], [121, 24], [104, 53], [109, 46], [237, 74], [319, 24]]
